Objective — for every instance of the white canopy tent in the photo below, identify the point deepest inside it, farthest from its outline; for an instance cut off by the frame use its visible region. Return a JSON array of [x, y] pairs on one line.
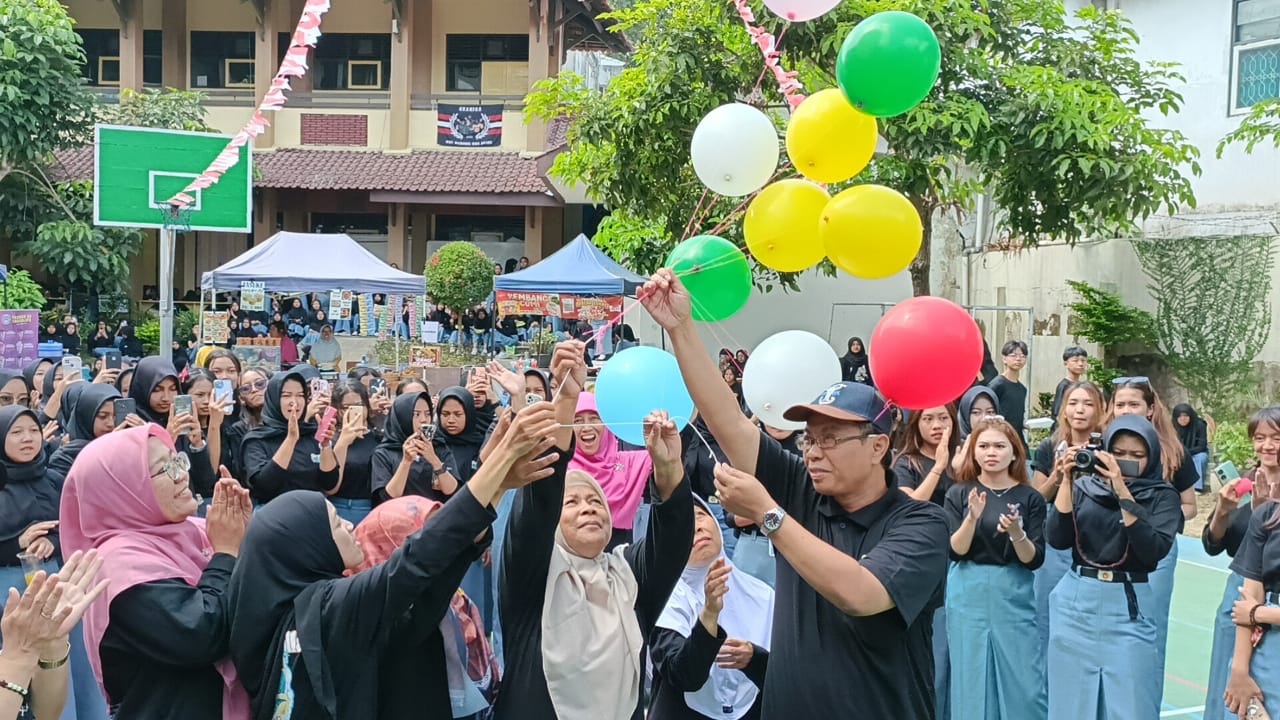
[[293, 262]]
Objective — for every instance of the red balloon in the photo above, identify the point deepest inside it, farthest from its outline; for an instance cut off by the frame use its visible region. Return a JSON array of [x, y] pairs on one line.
[[925, 352]]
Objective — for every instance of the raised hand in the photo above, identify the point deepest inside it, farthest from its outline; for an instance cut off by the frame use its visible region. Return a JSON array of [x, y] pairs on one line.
[[666, 299], [533, 466], [1011, 524], [569, 368], [506, 378], [942, 455], [735, 654], [35, 618], [662, 439], [715, 587], [227, 522], [977, 503], [742, 494], [529, 427], [79, 590]]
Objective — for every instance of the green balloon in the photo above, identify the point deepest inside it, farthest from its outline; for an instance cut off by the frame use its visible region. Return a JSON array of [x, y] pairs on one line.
[[888, 63], [716, 274]]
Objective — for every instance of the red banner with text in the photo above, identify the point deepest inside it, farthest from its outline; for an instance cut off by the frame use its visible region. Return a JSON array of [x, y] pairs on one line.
[[569, 307]]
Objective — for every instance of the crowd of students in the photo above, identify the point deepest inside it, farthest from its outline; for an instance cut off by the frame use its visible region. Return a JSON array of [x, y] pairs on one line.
[[305, 548]]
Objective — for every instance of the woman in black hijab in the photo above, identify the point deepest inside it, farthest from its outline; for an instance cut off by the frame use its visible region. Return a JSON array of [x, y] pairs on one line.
[[854, 364], [155, 385], [34, 374], [460, 431], [28, 498], [1194, 434], [306, 641], [92, 415], [130, 345], [124, 381], [978, 402], [283, 453], [15, 389], [408, 461]]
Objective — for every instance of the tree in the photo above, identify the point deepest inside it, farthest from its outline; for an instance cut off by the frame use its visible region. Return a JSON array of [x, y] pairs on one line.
[[21, 292], [1102, 317], [170, 108], [1260, 125], [459, 275], [1045, 111], [43, 102]]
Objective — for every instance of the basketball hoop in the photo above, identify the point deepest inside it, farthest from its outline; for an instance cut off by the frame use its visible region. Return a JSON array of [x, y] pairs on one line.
[[176, 217]]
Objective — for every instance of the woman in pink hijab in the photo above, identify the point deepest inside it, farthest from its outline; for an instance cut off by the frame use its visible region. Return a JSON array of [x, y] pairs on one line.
[[158, 637], [622, 474]]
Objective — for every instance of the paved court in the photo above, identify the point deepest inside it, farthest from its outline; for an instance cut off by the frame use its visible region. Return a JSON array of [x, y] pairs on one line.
[[1197, 591]]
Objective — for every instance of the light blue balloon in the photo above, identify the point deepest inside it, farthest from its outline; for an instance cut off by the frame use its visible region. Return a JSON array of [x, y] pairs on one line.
[[634, 383]]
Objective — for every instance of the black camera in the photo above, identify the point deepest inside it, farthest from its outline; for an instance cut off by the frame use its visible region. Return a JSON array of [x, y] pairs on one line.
[[1085, 461]]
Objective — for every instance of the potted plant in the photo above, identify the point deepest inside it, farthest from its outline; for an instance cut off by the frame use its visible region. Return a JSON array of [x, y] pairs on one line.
[[541, 345]]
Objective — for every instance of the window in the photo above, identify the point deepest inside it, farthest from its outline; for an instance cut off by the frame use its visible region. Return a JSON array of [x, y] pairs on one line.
[[102, 57], [465, 56], [1255, 53], [478, 228], [350, 61], [222, 59]]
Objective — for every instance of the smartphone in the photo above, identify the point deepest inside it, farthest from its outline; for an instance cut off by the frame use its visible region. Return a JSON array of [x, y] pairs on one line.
[[112, 360], [325, 428], [319, 387], [428, 431], [1061, 450], [183, 405], [124, 408], [71, 364], [357, 415], [1227, 471], [222, 392], [378, 386], [532, 398]]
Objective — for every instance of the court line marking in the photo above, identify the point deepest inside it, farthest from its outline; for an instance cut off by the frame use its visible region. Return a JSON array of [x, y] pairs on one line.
[[1202, 565], [1182, 711]]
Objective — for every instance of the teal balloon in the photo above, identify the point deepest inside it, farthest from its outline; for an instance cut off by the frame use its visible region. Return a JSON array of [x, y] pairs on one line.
[[716, 274], [888, 63], [634, 383]]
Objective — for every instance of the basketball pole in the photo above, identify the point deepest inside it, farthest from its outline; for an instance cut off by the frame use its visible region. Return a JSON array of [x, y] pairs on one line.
[[166, 291]]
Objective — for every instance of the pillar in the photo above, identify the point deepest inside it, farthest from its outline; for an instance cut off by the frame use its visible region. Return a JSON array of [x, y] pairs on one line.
[[173, 30], [131, 45], [397, 237], [265, 206], [401, 83], [304, 84], [534, 224], [420, 58], [422, 221], [265, 64], [543, 54]]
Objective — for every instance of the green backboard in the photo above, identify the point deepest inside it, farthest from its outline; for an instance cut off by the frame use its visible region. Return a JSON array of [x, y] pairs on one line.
[[136, 170]]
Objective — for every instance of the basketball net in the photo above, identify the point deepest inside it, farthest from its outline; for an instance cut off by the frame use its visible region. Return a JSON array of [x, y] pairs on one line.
[[176, 217]]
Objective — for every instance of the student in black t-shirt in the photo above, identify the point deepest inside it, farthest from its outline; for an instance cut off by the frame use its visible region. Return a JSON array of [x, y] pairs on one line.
[[996, 520], [1119, 522], [1255, 669], [1009, 389], [1076, 360], [852, 627]]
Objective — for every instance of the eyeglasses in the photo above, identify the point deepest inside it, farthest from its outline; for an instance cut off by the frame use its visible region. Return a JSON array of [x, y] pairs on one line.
[[255, 386], [829, 443], [1135, 380], [176, 466], [14, 400]]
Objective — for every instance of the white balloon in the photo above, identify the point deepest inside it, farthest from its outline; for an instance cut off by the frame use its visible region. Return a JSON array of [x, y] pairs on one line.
[[789, 368], [735, 150], [801, 10]]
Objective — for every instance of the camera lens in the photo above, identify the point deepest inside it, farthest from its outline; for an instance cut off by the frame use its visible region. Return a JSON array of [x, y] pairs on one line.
[[1083, 459]]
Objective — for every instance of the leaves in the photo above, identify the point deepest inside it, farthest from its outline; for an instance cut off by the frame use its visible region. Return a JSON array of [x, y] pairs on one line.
[[1106, 320], [459, 275], [1260, 125], [168, 108], [21, 292]]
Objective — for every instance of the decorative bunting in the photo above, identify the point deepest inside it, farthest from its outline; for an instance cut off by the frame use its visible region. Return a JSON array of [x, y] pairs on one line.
[[305, 36], [791, 88]]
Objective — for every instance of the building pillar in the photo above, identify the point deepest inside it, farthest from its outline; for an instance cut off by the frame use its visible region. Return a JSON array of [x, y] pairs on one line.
[[422, 221], [543, 54], [304, 84], [402, 42], [420, 57], [265, 64], [131, 45], [397, 235], [265, 207], [173, 31], [534, 224]]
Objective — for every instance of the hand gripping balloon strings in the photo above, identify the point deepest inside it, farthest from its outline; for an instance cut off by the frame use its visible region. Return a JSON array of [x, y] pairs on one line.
[[788, 83], [294, 64]]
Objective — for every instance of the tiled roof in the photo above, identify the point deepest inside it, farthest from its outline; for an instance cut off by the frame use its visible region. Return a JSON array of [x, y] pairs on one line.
[[458, 171], [454, 171], [557, 130]]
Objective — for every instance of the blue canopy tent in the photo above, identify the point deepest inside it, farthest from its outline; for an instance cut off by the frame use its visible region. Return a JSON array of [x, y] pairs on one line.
[[579, 268]]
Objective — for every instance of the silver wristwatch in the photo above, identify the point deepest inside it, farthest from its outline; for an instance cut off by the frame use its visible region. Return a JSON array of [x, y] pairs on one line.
[[772, 521]]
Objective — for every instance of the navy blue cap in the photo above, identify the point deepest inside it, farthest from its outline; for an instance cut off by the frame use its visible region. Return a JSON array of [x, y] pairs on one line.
[[847, 401]]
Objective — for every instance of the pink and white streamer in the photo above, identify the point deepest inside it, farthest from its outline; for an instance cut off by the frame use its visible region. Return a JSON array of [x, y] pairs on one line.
[[791, 88], [305, 37]]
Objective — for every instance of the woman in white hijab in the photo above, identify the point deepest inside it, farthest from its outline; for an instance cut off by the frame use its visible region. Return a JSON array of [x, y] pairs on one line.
[[326, 353], [710, 649], [574, 617]]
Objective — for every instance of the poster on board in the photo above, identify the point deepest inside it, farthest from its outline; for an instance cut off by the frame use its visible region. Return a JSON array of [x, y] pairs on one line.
[[19, 338]]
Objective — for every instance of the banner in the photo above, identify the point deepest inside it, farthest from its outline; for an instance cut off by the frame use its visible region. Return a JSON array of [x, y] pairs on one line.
[[469, 125], [253, 296], [340, 305], [19, 338], [213, 328], [568, 307], [258, 353]]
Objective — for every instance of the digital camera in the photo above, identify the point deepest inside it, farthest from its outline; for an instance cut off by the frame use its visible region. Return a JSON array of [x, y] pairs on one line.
[[1085, 461]]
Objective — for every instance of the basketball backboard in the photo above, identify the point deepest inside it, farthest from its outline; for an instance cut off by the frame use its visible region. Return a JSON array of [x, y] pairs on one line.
[[136, 170]]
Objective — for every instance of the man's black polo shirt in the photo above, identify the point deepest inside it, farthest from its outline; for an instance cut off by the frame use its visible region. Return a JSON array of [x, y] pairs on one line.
[[824, 663]]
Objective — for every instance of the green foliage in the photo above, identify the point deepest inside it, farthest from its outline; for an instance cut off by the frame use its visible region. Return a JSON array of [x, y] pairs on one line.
[[183, 322], [21, 292], [1231, 442], [149, 333], [90, 258], [1101, 373], [43, 102], [1210, 322], [459, 275], [1047, 112], [1106, 320], [1260, 125], [168, 108]]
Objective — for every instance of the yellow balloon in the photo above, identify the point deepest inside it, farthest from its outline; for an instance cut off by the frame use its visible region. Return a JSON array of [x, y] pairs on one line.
[[781, 225], [871, 231], [828, 140]]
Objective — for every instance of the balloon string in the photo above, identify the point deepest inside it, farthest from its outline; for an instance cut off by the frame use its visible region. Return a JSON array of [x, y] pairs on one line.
[[788, 83], [697, 211]]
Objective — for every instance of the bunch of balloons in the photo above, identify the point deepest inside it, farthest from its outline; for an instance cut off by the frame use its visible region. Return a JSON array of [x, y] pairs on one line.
[[634, 383], [888, 64]]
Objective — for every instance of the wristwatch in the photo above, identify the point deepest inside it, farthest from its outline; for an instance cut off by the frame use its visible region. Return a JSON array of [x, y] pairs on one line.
[[772, 521]]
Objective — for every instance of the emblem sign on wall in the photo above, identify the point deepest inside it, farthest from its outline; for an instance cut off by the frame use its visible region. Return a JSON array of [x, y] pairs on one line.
[[470, 126]]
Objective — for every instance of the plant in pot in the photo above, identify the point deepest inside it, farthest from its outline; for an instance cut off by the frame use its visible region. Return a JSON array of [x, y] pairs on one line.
[[541, 346]]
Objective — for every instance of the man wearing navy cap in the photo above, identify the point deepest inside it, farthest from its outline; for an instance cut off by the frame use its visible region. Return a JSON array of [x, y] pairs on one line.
[[861, 565]]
